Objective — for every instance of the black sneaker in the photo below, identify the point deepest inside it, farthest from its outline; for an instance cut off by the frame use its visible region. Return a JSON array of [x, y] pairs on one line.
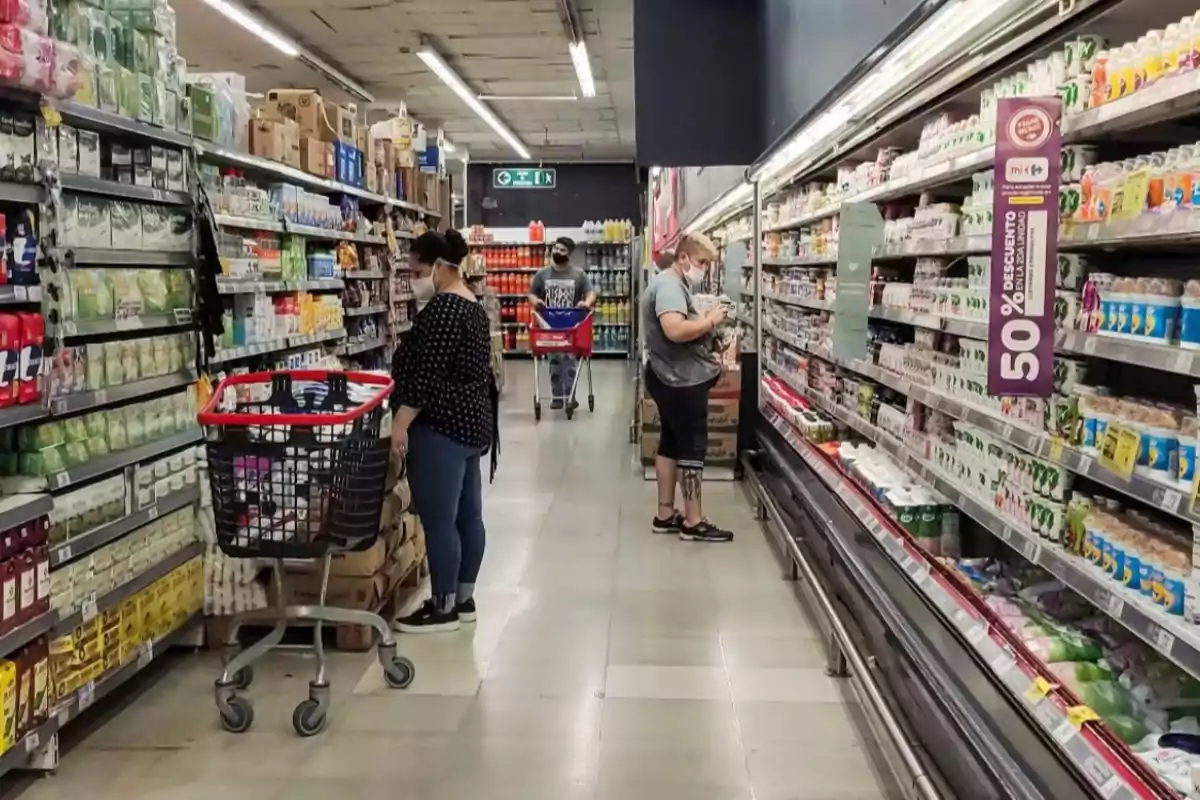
[[428, 619], [669, 525], [466, 610], [556, 404], [704, 531]]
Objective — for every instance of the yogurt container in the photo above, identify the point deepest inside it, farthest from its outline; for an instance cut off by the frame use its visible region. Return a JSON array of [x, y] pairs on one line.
[[1159, 453], [1161, 318], [1189, 317]]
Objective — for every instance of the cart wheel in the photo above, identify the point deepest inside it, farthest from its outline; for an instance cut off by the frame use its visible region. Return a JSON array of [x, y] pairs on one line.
[[400, 674], [237, 715], [537, 412], [591, 402], [309, 718], [243, 677], [570, 413]]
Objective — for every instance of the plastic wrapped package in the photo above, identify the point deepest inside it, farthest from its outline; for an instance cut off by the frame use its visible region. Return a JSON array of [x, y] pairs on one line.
[[93, 294], [127, 293], [70, 73], [145, 357], [28, 14], [26, 59], [135, 424], [154, 289], [118, 439]]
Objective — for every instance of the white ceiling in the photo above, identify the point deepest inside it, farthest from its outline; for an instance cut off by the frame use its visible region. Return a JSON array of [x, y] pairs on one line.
[[505, 47]]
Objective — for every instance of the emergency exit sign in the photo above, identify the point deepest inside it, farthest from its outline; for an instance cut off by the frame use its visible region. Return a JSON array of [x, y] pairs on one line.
[[523, 178]]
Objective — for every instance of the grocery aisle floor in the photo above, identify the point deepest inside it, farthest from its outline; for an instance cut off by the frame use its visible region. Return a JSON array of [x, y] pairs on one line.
[[607, 663]]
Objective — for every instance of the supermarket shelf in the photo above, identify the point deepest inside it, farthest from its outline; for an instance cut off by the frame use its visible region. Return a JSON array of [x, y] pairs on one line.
[[116, 394], [237, 286], [545, 244], [105, 534], [114, 462], [1049, 710], [1170, 498], [125, 590], [530, 270], [147, 322], [356, 348], [16, 295], [612, 324], [1167, 99], [402, 327], [105, 121], [208, 151], [959, 327], [279, 346], [90, 185], [315, 338], [18, 509], [1169, 635], [610, 352], [100, 256], [745, 320], [365, 275], [1167, 358], [800, 261], [82, 700], [429, 212], [30, 193], [366, 311], [281, 226], [980, 244], [801, 302], [20, 415], [22, 635]]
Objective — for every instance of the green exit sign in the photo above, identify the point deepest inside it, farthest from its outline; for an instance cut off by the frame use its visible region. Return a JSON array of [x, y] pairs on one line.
[[523, 178]]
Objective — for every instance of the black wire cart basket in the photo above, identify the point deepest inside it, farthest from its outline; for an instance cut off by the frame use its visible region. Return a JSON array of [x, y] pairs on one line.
[[298, 466]]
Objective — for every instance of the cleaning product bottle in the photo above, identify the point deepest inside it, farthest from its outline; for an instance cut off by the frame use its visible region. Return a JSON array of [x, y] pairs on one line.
[[10, 358], [33, 330]]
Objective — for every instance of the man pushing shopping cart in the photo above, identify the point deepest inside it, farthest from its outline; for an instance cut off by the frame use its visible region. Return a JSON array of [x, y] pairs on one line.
[[561, 285]]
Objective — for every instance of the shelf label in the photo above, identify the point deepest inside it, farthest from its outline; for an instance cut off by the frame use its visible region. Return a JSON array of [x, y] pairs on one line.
[[1003, 663], [62, 479], [87, 696], [1119, 450], [64, 553], [1064, 732], [1077, 715], [64, 716], [88, 610], [1025, 247], [977, 634], [1031, 550], [1038, 689], [1056, 449], [32, 741], [1114, 605], [1164, 641], [1170, 501], [145, 654]]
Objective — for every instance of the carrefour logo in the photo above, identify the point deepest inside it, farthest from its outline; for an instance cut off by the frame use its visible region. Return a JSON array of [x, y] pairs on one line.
[[1027, 170]]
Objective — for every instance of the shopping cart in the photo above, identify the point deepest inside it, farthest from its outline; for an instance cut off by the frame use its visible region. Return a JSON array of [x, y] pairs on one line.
[[298, 470], [566, 332]]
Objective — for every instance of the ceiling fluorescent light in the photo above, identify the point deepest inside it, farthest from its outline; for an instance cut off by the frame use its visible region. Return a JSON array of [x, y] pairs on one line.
[[448, 146], [250, 23], [435, 62], [583, 68], [729, 203]]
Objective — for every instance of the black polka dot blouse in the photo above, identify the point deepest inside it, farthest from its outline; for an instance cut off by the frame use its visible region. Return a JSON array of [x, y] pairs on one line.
[[444, 368]]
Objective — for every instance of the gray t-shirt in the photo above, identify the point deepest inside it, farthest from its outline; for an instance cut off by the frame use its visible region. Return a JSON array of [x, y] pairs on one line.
[[677, 364], [561, 288]]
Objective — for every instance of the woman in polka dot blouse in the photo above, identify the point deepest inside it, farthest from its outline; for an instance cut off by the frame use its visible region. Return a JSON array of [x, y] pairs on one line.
[[444, 421]]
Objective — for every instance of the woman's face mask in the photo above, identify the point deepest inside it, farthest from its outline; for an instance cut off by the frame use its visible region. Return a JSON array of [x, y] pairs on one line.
[[424, 289]]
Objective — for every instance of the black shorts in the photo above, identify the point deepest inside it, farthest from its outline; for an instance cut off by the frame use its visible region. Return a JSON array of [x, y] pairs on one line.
[[684, 414]]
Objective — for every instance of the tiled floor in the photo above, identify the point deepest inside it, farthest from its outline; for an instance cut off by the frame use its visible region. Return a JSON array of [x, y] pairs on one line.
[[607, 663]]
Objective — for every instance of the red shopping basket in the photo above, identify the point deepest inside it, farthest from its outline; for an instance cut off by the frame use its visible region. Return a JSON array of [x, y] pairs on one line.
[[298, 467], [562, 330]]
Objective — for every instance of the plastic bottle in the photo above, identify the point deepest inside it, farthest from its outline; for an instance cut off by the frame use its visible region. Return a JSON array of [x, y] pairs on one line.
[[1100, 84], [1171, 49], [10, 357]]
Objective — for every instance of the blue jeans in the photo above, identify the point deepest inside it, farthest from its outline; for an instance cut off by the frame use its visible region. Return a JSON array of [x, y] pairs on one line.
[[562, 376], [447, 490]]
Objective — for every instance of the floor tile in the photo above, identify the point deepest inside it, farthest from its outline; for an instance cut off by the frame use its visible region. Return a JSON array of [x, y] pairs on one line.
[[633, 647], [755, 684], [708, 724], [667, 683], [771, 650]]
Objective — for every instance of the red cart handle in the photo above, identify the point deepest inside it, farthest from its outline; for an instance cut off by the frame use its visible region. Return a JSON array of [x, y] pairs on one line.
[[209, 416]]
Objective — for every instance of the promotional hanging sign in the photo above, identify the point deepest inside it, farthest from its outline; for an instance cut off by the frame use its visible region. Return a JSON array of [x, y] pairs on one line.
[[1024, 248], [861, 233]]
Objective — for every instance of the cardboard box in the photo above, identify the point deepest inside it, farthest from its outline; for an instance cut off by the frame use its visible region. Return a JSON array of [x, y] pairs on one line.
[[360, 564], [341, 119], [305, 107], [722, 447], [345, 591], [313, 155], [723, 414], [729, 385], [274, 139], [649, 445]]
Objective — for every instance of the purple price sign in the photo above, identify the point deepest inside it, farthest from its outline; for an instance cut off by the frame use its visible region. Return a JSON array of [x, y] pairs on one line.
[[1024, 248]]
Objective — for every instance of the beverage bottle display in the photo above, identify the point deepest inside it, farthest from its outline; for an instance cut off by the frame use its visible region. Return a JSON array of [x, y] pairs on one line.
[[10, 357], [32, 334]]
